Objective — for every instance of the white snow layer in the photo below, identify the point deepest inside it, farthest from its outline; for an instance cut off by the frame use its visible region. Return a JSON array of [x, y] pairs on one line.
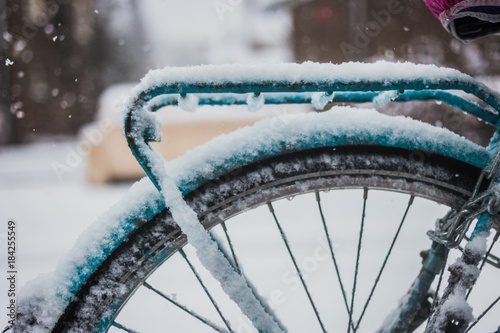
[[341, 125], [387, 72], [188, 103], [255, 102], [320, 100], [385, 98]]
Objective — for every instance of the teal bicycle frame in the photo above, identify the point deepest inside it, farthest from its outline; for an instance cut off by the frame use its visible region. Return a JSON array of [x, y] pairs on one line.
[[341, 89]]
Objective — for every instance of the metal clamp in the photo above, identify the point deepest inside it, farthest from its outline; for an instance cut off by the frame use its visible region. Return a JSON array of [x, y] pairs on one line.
[[452, 228]]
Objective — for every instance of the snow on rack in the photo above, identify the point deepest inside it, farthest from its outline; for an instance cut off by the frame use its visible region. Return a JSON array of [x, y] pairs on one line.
[[307, 77], [46, 297], [294, 73]]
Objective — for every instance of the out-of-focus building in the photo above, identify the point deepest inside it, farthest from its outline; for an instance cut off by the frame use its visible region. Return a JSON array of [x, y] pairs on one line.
[[338, 31], [393, 30]]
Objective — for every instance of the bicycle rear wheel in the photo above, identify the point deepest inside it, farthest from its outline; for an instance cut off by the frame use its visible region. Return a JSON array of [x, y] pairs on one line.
[[437, 178]]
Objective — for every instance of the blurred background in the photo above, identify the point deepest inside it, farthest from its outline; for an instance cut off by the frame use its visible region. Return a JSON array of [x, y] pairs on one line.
[[65, 67], [58, 56]]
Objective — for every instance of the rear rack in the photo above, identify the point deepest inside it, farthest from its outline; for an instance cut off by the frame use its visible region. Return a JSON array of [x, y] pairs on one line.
[[319, 84]]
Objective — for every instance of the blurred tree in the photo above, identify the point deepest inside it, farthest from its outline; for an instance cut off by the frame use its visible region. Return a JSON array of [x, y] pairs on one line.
[[121, 41], [62, 54], [53, 74], [4, 77]]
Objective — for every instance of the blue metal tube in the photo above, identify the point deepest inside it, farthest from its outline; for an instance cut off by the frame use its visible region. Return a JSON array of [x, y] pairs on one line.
[[404, 319], [485, 94], [351, 97]]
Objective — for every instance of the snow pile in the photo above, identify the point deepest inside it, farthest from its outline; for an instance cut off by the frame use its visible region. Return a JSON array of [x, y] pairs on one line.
[[455, 307], [320, 100], [188, 103], [464, 272], [255, 102], [387, 72], [385, 97], [46, 298]]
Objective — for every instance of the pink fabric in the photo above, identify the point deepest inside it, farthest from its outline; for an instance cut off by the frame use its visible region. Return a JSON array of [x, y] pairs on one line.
[[439, 6]]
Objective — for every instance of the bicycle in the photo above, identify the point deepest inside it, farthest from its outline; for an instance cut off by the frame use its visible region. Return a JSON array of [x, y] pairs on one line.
[[306, 155]]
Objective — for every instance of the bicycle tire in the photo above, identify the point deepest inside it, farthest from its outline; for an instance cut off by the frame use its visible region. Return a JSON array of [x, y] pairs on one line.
[[438, 178]]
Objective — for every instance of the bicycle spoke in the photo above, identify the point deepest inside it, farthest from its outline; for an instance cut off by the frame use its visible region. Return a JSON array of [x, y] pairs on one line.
[[123, 328], [8, 328], [261, 300], [356, 269], [495, 238], [483, 314], [236, 266], [327, 234], [377, 279], [434, 300], [200, 318], [181, 251], [283, 236]]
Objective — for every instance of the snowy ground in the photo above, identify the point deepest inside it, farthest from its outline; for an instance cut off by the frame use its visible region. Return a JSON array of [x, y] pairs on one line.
[[50, 214]]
